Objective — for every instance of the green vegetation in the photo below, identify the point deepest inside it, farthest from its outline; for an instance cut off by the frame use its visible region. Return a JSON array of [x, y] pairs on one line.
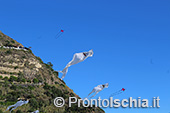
[[35, 80]]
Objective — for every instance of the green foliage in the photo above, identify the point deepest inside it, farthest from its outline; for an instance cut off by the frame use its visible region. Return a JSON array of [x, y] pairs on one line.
[[5, 78], [29, 81], [12, 96], [15, 67], [19, 111], [56, 74], [1, 77], [52, 79], [13, 78], [35, 80], [12, 41], [8, 51], [1, 111], [56, 82], [13, 87], [62, 85], [31, 87], [23, 56], [20, 77], [6, 83], [50, 64], [33, 103], [0, 92], [24, 80]]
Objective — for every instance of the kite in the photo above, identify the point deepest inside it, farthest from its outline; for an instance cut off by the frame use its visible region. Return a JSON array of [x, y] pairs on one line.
[[59, 33], [78, 57], [19, 103], [37, 111], [98, 89], [118, 92]]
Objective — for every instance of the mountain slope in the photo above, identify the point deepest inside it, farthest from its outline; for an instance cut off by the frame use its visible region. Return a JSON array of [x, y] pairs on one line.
[[25, 76]]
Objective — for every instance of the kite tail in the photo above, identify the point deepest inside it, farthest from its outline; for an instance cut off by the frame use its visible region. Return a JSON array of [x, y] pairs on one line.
[[64, 72]]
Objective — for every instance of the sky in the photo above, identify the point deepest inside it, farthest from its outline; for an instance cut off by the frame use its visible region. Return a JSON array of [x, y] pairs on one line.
[[130, 40]]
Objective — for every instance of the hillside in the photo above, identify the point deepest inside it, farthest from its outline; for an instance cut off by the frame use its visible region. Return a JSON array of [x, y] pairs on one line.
[[25, 76]]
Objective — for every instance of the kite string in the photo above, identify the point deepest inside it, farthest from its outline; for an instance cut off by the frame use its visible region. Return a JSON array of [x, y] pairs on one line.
[[116, 93], [59, 34]]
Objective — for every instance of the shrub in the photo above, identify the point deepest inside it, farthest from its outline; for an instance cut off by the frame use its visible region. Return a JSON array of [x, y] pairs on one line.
[[15, 67], [56, 74], [1, 77], [19, 111], [5, 78], [62, 85], [56, 82], [8, 51], [31, 87], [13, 41], [13, 87], [50, 64], [29, 81], [52, 79], [0, 92], [13, 78], [34, 103], [35, 80], [24, 80]]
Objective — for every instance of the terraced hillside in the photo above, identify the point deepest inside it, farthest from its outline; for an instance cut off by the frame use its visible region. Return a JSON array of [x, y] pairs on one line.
[[25, 76]]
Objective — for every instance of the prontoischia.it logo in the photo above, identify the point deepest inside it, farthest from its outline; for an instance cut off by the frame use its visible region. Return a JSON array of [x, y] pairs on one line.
[[113, 103]]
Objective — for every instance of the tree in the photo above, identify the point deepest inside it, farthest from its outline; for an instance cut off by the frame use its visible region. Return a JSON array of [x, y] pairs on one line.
[[50, 64]]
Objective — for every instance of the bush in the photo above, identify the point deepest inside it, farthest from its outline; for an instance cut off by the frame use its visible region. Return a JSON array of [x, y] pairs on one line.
[[13, 87], [0, 92], [12, 41], [23, 80], [15, 67], [13, 78], [34, 103], [50, 64], [56, 82], [35, 80], [1, 77], [8, 52], [31, 87], [29, 81], [52, 79], [62, 85], [56, 74], [5, 78], [13, 96], [19, 111]]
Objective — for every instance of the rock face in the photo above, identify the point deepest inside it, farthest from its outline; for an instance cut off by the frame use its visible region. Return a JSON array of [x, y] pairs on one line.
[[25, 76]]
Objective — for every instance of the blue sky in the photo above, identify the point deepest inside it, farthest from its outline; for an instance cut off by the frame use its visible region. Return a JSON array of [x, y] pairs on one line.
[[126, 37]]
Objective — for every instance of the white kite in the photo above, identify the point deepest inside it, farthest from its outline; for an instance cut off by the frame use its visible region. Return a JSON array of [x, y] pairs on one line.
[[19, 103], [98, 89], [37, 111], [78, 57]]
